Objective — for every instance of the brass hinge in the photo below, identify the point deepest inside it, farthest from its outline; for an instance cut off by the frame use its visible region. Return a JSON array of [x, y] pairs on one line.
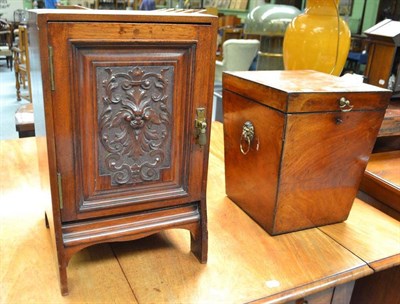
[[60, 197], [51, 68]]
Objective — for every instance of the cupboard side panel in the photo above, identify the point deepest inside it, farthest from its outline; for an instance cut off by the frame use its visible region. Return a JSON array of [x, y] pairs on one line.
[[44, 130], [62, 118]]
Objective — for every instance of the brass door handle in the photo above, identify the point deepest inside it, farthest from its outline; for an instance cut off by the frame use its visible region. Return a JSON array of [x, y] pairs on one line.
[[201, 127]]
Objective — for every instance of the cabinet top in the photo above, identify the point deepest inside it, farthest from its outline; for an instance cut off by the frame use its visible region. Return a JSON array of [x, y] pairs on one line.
[[305, 81], [159, 16], [305, 90]]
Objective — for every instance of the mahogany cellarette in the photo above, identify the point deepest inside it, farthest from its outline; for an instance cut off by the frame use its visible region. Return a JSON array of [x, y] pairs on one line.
[[297, 144]]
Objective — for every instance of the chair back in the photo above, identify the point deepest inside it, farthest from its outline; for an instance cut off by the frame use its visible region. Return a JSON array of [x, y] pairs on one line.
[[20, 17], [23, 44], [238, 56], [239, 53]]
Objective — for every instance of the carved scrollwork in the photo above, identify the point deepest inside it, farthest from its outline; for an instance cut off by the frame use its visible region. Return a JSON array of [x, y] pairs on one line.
[[134, 116]]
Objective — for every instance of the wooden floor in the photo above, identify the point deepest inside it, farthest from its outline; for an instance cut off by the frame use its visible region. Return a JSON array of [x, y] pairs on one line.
[[8, 103], [245, 264]]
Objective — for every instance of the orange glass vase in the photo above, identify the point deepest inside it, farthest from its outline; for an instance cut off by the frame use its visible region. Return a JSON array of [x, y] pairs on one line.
[[318, 39]]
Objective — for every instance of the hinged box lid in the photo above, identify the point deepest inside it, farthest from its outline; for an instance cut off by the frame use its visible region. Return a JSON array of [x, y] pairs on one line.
[[305, 91]]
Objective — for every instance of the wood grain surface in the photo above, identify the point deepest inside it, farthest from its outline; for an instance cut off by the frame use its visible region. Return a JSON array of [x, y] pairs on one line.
[[381, 178], [386, 166], [27, 271], [362, 234], [391, 123], [245, 263]]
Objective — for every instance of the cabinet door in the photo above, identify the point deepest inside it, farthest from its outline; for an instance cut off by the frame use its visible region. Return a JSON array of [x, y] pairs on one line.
[[123, 108]]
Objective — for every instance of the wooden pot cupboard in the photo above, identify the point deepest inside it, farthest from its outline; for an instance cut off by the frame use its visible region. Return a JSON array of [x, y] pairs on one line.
[[122, 107], [297, 144]]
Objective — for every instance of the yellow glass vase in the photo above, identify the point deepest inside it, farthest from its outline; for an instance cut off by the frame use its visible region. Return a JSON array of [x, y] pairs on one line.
[[318, 39]]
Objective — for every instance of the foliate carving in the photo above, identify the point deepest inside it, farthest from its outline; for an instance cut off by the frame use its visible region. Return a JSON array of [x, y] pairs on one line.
[[134, 116]]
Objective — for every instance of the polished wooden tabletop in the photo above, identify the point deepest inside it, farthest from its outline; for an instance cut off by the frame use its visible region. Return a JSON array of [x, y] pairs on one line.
[[245, 264], [382, 165], [382, 181]]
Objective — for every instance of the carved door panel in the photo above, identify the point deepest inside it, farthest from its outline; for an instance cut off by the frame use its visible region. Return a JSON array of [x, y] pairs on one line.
[[124, 112]]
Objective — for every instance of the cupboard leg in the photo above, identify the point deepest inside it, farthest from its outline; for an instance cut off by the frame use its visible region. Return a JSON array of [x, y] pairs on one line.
[[46, 220], [63, 280], [199, 243]]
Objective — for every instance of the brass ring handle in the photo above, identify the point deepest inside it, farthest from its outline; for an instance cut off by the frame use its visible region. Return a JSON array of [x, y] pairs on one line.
[[345, 105], [244, 152], [247, 137]]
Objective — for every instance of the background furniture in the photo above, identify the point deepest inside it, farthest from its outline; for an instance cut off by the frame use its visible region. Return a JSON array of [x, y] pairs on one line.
[[71, 7], [383, 69], [238, 56], [22, 64], [356, 60], [383, 55], [389, 133], [229, 27], [125, 115], [225, 34], [245, 263], [24, 121], [6, 42], [111, 4], [20, 17], [358, 55], [269, 23]]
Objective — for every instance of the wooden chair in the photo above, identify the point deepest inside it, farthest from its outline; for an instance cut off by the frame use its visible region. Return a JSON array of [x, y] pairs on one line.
[[22, 65], [238, 56], [227, 34], [20, 18], [6, 42]]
